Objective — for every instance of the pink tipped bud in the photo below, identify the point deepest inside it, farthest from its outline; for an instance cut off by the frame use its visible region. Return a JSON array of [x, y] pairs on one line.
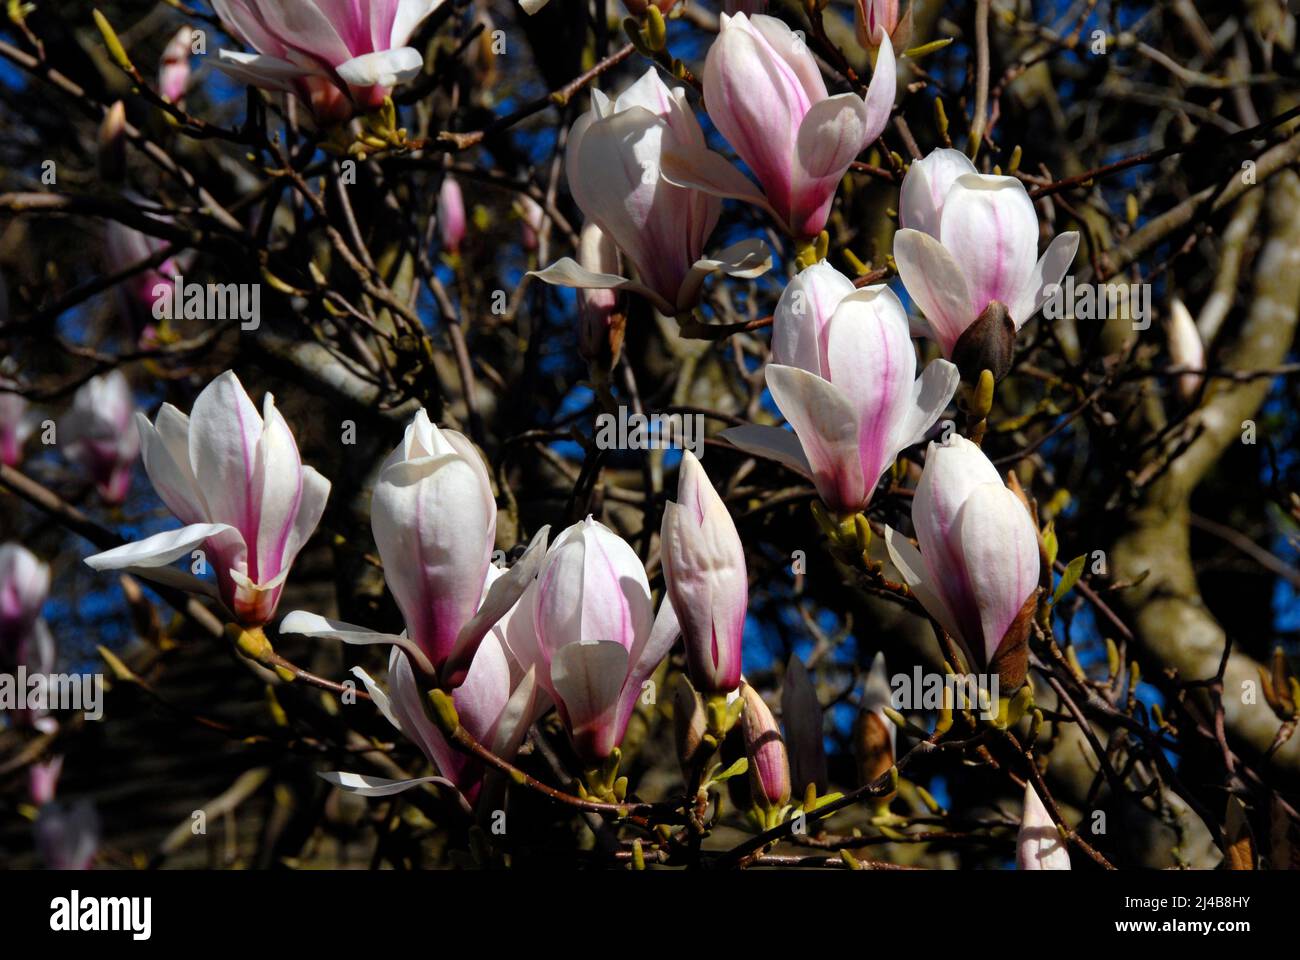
[[704, 568], [769, 770], [451, 215], [174, 70]]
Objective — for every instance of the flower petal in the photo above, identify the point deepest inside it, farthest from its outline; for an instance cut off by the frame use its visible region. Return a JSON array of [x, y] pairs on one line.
[[827, 426], [990, 228], [314, 625], [772, 443], [383, 68], [936, 284], [158, 550], [1047, 273]]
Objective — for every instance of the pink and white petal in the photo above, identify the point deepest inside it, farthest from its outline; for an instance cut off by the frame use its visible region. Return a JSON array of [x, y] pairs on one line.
[[384, 68], [486, 689], [931, 394], [1000, 546], [378, 697], [525, 705], [756, 101], [406, 699], [173, 481], [588, 678], [365, 785], [771, 443], [244, 25], [224, 432], [276, 490], [259, 70], [314, 625], [158, 550], [745, 260], [873, 363], [801, 314], [613, 571], [712, 173], [990, 228], [792, 48], [916, 574], [936, 284], [501, 596], [177, 579], [827, 427], [567, 272], [409, 15], [313, 34], [881, 91], [920, 202], [645, 658], [1048, 273], [311, 506], [831, 135]]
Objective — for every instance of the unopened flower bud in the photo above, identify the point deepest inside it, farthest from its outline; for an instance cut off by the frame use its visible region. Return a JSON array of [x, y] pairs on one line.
[[769, 769], [112, 143], [987, 344], [174, 70], [874, 734], [802, 713]]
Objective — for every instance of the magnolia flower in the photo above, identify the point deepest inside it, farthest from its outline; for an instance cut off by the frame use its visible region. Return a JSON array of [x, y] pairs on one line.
[[434, 519], [877, 21], [766, 95], [25, 640], [67, 835], [599, 335], [236, 481], [587, 625], [801, 712], [613, 161], [1039, 845], [928, 180], [969, 252], [174, 70], [704, 570], [43, 780], [124, 249], [844, 376], [876, 737], [24, 585], [531, 220], [977, 569], [1186, 349], [769, 770], [339, 58], [99, 434], [451, 214], [15, 427], [496, 704]]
